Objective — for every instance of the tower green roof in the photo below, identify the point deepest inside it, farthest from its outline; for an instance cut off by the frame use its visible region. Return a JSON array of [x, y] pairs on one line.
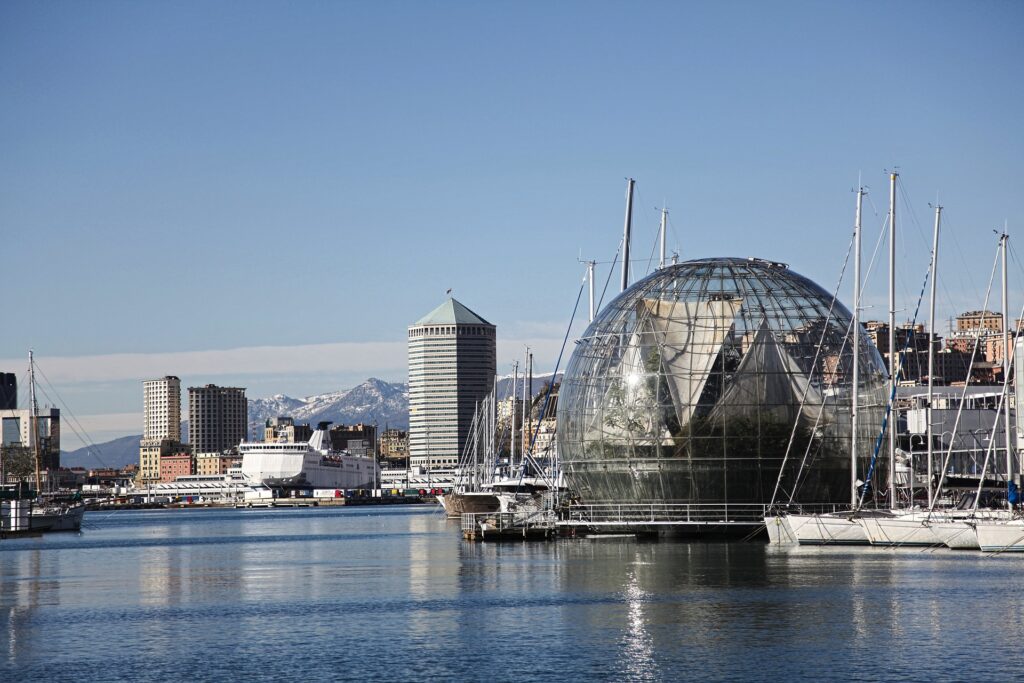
[[451, 312]]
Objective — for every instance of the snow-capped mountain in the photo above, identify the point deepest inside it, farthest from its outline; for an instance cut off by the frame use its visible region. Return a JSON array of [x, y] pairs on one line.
[[373, 401]]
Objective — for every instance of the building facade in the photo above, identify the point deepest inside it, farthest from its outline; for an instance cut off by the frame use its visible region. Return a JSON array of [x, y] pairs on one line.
[[452, 363], [216, 463], [284, 430], [161, 406], [217, 418], [394, 447], [357, 439], [174, 465]]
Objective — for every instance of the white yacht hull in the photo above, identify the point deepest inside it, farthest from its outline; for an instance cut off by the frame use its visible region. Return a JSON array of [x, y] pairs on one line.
[[827, 529], [899, 531], [956, 534], [1001, 536], [779, 530]]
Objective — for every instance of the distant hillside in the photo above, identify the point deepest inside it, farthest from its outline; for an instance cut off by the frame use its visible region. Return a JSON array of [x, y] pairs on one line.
[[116, 454], [386, 403]]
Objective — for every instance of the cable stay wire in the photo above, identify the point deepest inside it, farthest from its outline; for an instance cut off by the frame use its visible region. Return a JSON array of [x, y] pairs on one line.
[[807, 386], [805, 459], [73, 422], [528, 453], [977, 344], [892, 394]]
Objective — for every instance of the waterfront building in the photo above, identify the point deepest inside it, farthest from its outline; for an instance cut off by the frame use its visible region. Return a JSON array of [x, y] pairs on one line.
[[174, 465], [217, 418], [357, 439], [161, 405], [216, 463], [973, 323], [161, 428], [394, 447], [452, 363], [284, 430], [8, 391]]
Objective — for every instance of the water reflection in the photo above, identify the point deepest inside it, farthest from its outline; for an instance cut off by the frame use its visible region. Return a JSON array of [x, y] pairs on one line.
[[397, 593]]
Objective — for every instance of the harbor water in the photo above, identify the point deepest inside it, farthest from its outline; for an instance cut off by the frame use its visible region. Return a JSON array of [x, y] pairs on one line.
[[395, 594]]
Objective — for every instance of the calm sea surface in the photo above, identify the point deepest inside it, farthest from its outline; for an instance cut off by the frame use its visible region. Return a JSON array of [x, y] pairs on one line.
[[394, 594]]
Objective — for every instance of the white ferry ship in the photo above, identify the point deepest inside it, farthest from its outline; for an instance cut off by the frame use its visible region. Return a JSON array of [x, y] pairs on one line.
[[312, 464]]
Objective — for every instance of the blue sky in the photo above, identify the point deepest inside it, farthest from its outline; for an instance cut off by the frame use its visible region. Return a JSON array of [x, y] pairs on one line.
[[268, 193]]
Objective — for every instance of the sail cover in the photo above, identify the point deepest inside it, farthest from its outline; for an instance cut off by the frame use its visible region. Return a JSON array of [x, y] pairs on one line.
[[689, 335], [673, 344], [768, 385]]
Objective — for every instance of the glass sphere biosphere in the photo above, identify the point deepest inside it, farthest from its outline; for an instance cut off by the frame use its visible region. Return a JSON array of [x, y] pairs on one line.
[[694, 384]]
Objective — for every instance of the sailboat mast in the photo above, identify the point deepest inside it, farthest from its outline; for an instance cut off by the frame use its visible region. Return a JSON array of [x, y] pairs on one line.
[[529, 411], [1004, 239], [512, 438], [590, 280], [664, 226], [625, 234], [854, 395], [931, 351], [34, 419], [892, 339], [522, 423]]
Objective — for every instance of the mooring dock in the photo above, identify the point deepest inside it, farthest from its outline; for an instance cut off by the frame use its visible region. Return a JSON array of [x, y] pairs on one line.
[[513, 526], [733, 520]]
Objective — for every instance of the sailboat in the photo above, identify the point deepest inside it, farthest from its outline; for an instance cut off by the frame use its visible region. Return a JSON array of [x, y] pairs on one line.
[[47, 515], [839, 528]]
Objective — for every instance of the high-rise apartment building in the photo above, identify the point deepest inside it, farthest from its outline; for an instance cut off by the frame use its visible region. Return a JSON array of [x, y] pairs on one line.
[[161, 406], [452, 362], [161, 429], [217, 418]]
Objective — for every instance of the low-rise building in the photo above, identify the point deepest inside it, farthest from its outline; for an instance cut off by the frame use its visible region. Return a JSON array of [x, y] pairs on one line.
[[284, 430], [174, 465], [394, 447], [217, 463], [357, 439]]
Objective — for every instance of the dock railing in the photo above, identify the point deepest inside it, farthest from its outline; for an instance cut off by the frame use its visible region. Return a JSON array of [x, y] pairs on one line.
[[672, 514], [506, 521]]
